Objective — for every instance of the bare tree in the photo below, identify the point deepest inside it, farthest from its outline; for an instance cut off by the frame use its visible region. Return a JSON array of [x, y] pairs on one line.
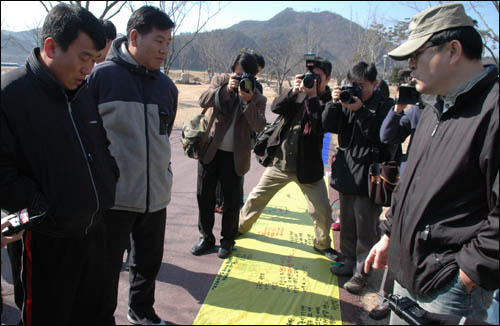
[[488, 33], [107, 12], [213, 52], [283, 55], [178, 11], [369, 44]]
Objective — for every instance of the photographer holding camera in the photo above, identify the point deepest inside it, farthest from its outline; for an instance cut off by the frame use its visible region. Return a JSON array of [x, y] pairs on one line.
[[227, 158], [440, 238], [356, 114], [298, 155]]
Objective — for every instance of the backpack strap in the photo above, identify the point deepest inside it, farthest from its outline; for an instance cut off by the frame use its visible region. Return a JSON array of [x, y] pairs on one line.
[[212, 118]]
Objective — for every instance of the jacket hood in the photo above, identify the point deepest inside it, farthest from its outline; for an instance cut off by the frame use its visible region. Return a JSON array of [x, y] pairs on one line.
[[119, 53]]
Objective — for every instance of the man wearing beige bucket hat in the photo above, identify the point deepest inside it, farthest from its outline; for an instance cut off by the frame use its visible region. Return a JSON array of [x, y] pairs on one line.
[[440, 240]]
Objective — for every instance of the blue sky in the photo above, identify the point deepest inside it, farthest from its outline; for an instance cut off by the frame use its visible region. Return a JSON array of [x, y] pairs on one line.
[[22, 15]]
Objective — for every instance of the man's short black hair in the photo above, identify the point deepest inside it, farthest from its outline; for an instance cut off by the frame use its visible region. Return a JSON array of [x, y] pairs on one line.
[[384, 88], [247, 61], [144, 19], [64, 23], [324, 65], [109, 30], [468, 36], [363, 70], [260, 60]]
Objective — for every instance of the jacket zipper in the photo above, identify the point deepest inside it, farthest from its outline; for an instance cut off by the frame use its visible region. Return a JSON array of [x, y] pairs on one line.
[[439, 115], [147, 149], [86, 157]]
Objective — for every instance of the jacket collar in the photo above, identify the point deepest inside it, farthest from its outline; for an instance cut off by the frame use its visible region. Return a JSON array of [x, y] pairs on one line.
[[467, 90], [48, 82], [119, 53]]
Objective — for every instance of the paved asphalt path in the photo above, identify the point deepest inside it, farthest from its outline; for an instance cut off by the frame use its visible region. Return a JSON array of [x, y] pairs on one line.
[[184, 280]]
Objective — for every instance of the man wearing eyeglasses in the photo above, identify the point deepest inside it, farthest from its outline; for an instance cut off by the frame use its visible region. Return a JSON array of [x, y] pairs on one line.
[[440, 240]]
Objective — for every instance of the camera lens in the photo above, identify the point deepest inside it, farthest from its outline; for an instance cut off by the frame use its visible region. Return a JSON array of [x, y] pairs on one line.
[[246, 85], [345, 96], [308, 82]]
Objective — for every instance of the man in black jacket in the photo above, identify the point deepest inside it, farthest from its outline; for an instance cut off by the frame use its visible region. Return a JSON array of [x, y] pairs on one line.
[[357, 124], [440, 240], [298, 157], [54, 161]]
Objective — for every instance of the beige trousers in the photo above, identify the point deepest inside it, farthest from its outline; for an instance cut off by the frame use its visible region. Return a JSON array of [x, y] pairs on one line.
[[316, 195]]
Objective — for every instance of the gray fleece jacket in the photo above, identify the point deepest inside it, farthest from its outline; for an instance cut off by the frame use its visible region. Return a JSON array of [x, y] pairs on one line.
[[138, 109]]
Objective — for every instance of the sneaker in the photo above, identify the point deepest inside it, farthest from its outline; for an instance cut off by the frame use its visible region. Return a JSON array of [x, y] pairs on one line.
[[380, 311], [342, 268], [329, 253], [203, 246], [225, 250], [150, 319], [355, 284]]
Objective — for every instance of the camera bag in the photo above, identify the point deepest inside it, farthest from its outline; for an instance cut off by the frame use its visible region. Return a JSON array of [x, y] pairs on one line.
[[196, 133], [262, 150], [382, 179]]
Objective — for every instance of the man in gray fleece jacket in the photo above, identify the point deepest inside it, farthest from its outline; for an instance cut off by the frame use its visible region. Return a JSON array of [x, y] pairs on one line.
[[138, 104]]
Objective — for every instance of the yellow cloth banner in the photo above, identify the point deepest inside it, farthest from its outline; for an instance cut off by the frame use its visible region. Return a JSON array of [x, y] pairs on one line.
[[274, 276]]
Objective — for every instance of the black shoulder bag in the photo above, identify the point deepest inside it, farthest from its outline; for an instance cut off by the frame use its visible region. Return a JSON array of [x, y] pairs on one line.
[[262, 150], [382, 179]]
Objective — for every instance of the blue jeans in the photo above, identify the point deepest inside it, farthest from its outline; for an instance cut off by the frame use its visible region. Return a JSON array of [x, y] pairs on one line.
[[493, 311], [452, 299]]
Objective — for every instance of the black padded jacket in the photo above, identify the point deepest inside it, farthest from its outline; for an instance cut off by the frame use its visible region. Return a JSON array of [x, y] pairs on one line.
[[53, 152]]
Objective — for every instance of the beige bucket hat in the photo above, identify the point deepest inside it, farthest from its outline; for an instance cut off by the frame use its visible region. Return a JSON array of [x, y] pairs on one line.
[[424, 24]]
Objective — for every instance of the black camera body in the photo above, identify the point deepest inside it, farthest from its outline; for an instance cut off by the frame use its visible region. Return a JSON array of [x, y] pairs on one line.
[[309, 77], [247, 82], [21, 220], [408, 95], [407, 309], [347, 93]]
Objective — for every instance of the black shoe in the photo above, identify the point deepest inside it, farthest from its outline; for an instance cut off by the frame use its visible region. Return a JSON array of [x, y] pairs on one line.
[[149, 319], [343, 268], [203, 246], [355, 284], [380, 311], [329, 253], [225, 250]]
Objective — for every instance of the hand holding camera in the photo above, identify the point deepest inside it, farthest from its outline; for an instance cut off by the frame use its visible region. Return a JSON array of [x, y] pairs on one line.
[[311, 90], [234, 83], [349, 95], [245, 96], [12, 238]]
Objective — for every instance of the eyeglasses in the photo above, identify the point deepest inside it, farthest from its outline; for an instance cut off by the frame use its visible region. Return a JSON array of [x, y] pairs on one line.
[[414, 56]]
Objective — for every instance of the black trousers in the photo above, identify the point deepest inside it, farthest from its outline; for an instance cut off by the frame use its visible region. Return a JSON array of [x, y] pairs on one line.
[[15, 252], [145, 232], [220, 168], [63, 278]]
